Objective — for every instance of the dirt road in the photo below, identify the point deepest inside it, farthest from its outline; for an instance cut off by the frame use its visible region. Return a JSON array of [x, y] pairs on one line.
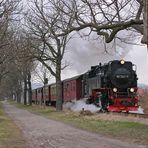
[[44, 133]]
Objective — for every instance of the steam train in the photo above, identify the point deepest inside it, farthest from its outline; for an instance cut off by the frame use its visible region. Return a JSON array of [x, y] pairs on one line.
[[111, 86]]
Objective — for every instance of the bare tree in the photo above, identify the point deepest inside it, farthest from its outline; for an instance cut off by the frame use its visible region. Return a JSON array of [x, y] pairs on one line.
[[8, 10], [11, 85], [44, 24], [24, 62], [145, 22], [106, 18], [14, 59]]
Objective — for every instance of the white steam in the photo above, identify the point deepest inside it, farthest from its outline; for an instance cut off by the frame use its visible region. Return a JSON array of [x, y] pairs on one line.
[[81, 104], [78, 105], [139, 111]]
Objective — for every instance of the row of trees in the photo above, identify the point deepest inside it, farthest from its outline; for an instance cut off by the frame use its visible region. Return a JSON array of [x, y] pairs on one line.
[[14, 69], [48, 25]]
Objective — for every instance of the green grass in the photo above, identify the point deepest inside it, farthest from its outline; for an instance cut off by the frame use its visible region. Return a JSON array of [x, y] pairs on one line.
[[127, 131], [10, 135]]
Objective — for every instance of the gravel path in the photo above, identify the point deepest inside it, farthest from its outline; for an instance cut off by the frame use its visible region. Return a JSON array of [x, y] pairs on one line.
[[45, 133]]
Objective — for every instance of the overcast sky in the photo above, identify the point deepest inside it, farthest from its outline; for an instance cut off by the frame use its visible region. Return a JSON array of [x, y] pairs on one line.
[[139, 56], [82, 54]]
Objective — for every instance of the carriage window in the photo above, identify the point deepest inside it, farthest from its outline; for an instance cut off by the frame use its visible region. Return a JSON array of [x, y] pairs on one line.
[[65, 87], [71, 85], [53, 90], [74, 88]]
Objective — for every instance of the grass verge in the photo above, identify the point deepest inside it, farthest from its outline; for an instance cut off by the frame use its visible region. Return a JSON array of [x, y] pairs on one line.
[[10, 135], [127, 131]]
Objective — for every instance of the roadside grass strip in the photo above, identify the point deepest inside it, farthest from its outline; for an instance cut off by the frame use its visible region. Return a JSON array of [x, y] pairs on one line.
[[10, 135]]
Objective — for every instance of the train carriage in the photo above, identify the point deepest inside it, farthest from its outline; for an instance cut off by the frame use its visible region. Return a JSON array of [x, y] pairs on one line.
[[53, 94], [40, 95], [72, 88], [34, 95], [46, 94]]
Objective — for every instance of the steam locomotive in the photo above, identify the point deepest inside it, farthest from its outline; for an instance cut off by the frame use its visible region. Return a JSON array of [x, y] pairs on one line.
[[111, 86], [114, 85]]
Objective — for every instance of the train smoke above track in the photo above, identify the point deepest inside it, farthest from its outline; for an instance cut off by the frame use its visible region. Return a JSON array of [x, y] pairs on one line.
[[85, 52], [78, 105], [140, 111]]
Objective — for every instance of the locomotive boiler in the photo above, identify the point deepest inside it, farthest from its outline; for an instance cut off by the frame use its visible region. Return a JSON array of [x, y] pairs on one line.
[[112, 86]]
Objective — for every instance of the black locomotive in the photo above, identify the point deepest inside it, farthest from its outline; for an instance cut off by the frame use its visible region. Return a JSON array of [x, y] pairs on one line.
[[112, 86]]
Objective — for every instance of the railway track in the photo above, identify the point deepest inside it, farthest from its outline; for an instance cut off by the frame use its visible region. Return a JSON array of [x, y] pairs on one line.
[[144, 116]]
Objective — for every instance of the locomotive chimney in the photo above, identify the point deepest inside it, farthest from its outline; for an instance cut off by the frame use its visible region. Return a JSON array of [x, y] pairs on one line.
[[100, 64]]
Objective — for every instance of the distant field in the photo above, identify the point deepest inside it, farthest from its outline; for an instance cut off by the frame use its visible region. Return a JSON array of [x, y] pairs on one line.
[[124, 130], [144, 100], [10, 135]]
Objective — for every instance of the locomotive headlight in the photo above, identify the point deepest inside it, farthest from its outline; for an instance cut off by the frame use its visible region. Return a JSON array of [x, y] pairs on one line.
[[114, 89], [122, 62], [131, 89]]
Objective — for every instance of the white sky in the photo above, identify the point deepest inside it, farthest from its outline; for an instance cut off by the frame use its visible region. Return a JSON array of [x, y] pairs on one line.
[[81, 57], [139, 56], [84, 54]]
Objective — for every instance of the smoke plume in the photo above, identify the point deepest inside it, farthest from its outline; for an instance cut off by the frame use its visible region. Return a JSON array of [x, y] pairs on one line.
[[78, 105], [82, 53], [140, 111]]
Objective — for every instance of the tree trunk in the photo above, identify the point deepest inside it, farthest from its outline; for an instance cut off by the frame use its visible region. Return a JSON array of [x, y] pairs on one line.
[[18, 96], [58, 86], [29, 88], [25, 91], [18, 92], [145, 22]]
